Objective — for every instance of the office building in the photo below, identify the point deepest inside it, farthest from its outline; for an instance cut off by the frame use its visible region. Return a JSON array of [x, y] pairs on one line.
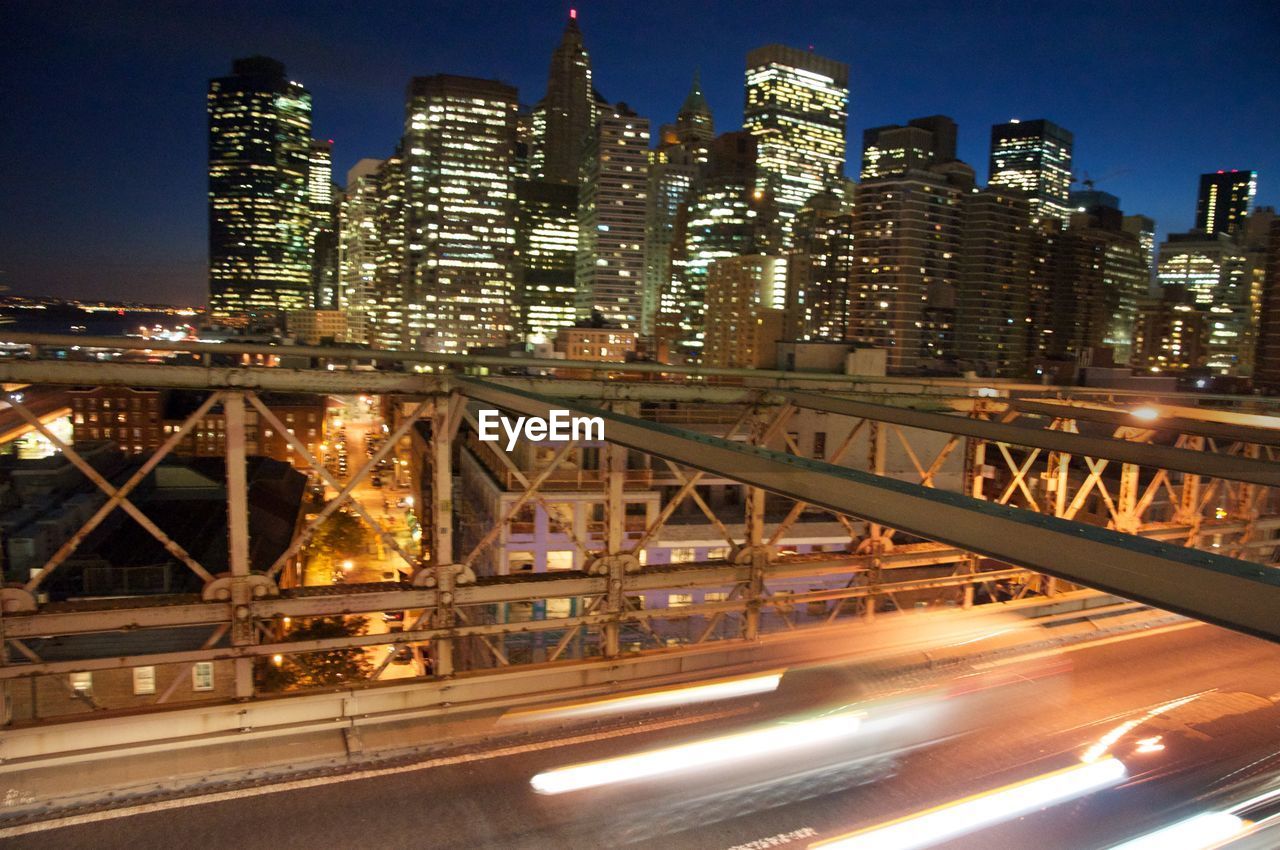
[[1035, 157], [797, 106], [1220, 278], [906, 239], [744, 311], [1171, 332], [612, 208], [1097, 274], [561, 122], [1225, 200], [895, 149], [993, 284], [459, 141], [359, 244], [546, 256], [820, 270], [259, 213], [324, 224], [1267, 369]]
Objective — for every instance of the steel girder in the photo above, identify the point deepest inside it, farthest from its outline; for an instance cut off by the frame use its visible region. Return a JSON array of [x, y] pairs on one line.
[[1225, 591]]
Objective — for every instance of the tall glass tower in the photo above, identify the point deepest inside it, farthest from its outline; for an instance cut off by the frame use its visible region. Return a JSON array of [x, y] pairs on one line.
[[1034, 157], [797, 106], [1225, 201], [459, 142], [259, 215]]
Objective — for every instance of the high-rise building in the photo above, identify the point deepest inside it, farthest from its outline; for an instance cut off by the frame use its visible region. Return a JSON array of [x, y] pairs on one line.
[[1219, 276], [797, 106], [820, 270], [259, 215], [676, 166], [387, 306], [1035, 157], [359, 246], [1171, 332], [1267, 370], [1225, 200], [1145, 229], [727, 216], [324, 224], [1097, 275], [612, 207], [459, 142], [744, 315], [993, 284], [895, 149], [562, 120], [907, 236], [546, 256]]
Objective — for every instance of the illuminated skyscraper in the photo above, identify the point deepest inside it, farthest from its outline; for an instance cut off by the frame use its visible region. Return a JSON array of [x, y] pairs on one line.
[[1034, 156], [562, 120], [612, 206], [744, 316], [993, 284], [459, 141], [1267, 372], [675, 168], [797, 105], [1225, 201], [359, 245], [387, 309], [546, 256], [895, 149], [324, 224], [259, 216], [820, 270], [1218, 275]]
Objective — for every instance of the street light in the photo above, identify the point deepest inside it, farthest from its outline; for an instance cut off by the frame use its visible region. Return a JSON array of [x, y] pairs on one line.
[[347, 565], [1146, 414]]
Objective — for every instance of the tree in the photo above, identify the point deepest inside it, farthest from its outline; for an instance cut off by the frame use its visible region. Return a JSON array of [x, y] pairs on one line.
[[324, 668], [342, 535]]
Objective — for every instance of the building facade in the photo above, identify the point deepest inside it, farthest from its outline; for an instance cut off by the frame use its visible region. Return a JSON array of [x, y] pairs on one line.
[[260, 263], [797, 107], [1035, 157], [1225, 201], [612, 210], [561, 122], [459, 142]]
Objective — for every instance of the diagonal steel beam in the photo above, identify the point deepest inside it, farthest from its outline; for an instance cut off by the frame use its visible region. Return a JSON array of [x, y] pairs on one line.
[[105, 486], [1228, 592], [1143, 454]]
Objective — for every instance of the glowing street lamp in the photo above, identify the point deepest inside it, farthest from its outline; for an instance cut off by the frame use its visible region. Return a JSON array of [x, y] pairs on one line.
[[1146, 414]]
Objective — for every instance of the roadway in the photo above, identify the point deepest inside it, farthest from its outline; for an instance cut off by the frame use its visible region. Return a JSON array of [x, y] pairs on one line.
[[484, 799]]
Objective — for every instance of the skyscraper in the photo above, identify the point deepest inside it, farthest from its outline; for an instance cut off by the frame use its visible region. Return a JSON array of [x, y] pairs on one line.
[[359, 244], [1034, 156], [259, 215], [459, 141], [993, 284], [1225, 201], [612, 206], [906, 239], [324, 224], [1218, 275], [1267, 371], [894, 149], [563, 118], [797, 105], [820, 270], [744, 321], [676, 167], [546, 256]]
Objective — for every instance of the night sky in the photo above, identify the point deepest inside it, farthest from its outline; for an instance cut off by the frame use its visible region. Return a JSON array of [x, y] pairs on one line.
[[102, 120]]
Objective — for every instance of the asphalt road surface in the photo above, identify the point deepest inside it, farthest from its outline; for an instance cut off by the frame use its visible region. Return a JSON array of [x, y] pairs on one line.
[[487, 801]]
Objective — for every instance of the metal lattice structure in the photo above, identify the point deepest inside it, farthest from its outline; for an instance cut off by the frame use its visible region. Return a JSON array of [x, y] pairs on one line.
[[1175, 508]]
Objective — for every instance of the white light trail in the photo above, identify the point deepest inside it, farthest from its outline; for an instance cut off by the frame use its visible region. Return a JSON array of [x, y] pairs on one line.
[[1197, 833], [951, 820], [712, 752], [709, 692]]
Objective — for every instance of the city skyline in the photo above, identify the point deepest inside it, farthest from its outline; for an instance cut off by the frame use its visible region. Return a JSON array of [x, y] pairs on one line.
[[143, 234]]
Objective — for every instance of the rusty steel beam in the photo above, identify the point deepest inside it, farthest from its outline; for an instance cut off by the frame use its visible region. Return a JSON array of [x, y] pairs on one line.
[[1124, 451], [1225, 591]]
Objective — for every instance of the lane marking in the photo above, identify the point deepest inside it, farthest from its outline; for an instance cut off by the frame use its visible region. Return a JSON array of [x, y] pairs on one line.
[[368, 773]]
